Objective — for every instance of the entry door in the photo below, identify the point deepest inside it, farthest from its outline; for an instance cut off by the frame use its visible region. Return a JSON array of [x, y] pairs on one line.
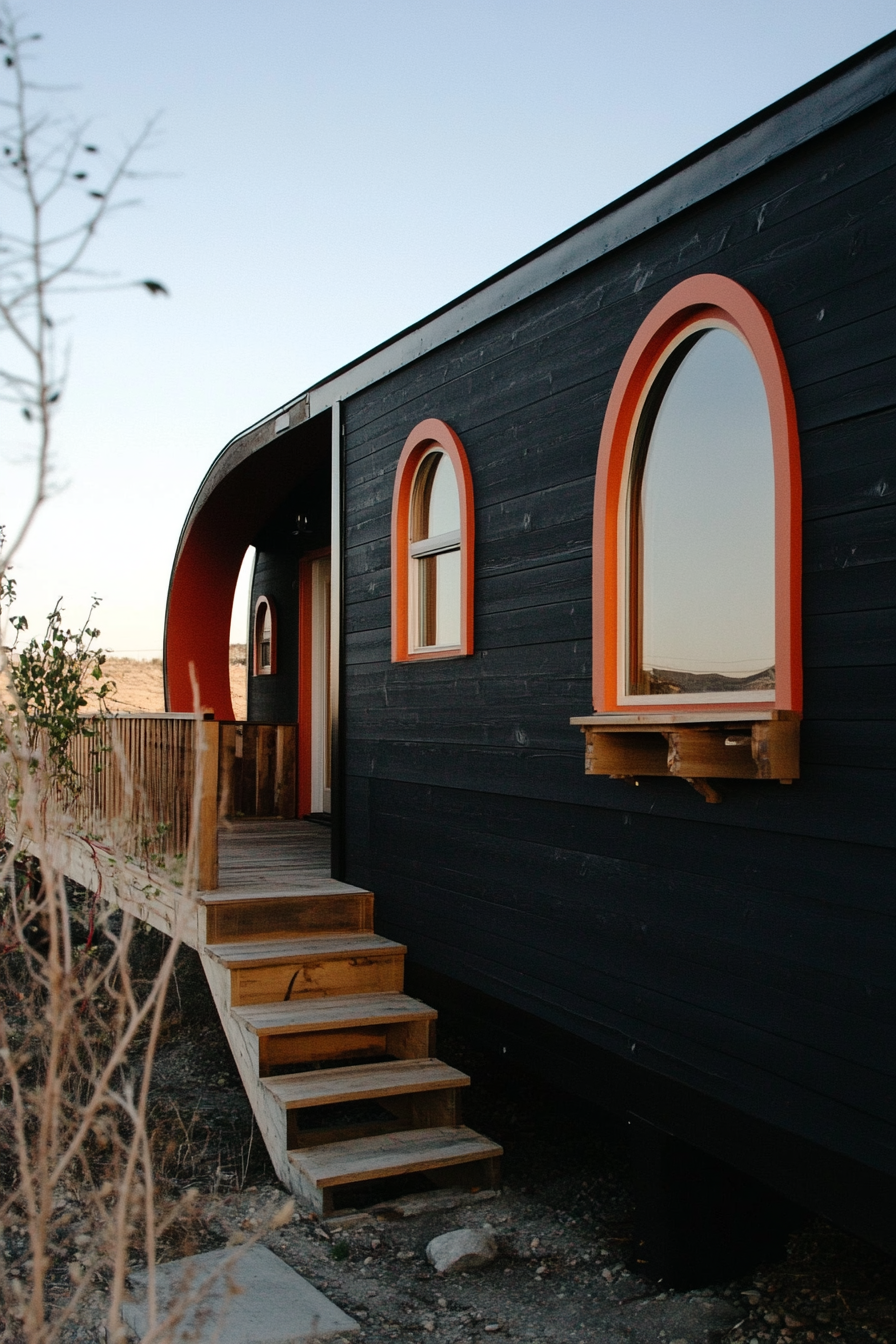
[[321, 718]]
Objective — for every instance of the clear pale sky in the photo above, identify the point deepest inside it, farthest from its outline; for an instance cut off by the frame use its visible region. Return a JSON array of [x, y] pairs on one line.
[[327, 172]]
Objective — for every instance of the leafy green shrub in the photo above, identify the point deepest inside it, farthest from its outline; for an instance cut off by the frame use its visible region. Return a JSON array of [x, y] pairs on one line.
[[49, 682]]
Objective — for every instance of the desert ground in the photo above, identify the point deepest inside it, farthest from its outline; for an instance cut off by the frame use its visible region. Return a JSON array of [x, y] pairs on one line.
[[139, 689]]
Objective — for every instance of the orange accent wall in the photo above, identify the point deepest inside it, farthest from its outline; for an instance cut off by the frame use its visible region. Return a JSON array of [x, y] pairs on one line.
[[197, 633], [702, 296], [430, 434]]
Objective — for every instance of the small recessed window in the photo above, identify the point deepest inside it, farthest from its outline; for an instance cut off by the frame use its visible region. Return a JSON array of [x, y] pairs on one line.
[[265, 638], [432, 547]]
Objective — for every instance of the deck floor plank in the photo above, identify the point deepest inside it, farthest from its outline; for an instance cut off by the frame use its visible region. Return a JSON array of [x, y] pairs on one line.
[[255, 853]]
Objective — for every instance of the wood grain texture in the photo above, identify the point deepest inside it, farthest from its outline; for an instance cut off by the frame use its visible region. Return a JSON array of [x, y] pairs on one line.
[[207, 847], [354, 1010], [319, 976], [286, 914], [256, 852], [392, 1155], [327, 1087], [253, 953]]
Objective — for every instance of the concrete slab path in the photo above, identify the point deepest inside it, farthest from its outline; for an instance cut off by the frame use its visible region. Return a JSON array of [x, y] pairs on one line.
[[258, 1300]]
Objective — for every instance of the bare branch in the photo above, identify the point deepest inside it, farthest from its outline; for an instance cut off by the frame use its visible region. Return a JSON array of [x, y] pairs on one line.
[[42, 250]]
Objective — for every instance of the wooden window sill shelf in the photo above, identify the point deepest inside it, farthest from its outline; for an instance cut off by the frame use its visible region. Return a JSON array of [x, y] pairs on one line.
[[694, 746]]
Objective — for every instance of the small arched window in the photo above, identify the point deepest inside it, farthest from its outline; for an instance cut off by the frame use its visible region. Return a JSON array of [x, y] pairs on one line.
[[264, 660], [697, 503], [432, 547]]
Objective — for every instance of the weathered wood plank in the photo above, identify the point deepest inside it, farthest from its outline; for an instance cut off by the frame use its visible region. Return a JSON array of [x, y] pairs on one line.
[[207, 841], [297, 950], [353, 1010], [353, 1083], [392, 1155]]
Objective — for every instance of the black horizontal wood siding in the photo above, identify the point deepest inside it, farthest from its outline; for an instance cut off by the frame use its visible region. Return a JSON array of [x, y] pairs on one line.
[[745, 950], [274, 698]]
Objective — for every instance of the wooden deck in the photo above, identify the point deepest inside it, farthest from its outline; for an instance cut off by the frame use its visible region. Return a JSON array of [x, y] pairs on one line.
[[311, 1002], [268, 853]]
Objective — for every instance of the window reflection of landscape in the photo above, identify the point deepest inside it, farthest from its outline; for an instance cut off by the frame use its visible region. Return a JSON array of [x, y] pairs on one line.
[[702, 526]]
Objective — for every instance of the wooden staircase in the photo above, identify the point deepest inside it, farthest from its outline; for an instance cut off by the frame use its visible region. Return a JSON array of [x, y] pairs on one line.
[[338, 1063]]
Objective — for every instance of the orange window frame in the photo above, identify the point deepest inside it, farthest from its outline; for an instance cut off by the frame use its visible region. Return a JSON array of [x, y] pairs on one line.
[[257, 669], [695, 301], [423, 438]]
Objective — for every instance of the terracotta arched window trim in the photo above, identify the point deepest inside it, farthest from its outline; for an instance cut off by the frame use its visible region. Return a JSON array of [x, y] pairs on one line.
[[423, 438], [703, 298], [258, 670]]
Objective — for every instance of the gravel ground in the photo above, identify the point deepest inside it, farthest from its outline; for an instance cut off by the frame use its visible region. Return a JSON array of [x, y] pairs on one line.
[[562, 1222]]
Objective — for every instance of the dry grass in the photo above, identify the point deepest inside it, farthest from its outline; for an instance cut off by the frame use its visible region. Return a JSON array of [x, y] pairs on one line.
[[93, 1177]]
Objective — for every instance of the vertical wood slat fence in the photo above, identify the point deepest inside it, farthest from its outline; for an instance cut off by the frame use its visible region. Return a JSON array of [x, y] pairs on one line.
[[142, 795]]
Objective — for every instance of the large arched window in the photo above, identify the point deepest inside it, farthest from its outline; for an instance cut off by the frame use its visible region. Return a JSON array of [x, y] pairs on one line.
[[697, 513], [432, 547]]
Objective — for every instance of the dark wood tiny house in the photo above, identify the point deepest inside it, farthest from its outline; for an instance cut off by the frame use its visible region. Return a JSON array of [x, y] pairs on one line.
[[714, 962]]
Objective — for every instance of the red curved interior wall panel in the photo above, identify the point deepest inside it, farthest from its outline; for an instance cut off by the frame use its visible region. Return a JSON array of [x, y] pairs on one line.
[[200, 597], [199, 608]]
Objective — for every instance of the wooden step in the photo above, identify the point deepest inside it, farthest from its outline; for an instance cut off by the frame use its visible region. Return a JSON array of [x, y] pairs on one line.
[[344, 1026], [319, 886], [363, 1082], [319, 1170], [265, 971], [271, 952], [344, 1010], [322, 907]]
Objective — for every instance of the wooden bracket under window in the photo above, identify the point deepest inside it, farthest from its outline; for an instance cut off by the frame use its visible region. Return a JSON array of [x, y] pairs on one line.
[[694, 747]]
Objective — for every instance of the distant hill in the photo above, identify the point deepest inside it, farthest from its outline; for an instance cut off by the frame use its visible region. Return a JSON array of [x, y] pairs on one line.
[[665, 682]]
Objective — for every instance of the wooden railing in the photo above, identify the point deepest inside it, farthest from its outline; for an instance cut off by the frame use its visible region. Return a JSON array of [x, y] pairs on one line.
[[142, 794]]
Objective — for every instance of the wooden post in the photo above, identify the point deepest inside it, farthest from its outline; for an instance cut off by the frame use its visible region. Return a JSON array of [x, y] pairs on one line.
[[207, 738]]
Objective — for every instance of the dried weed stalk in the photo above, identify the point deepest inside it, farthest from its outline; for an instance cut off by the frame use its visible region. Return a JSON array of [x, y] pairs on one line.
[[79, 1200], [81, 1205]]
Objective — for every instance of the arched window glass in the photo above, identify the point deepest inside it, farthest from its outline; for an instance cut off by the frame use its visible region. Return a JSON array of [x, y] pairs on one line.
[[702, 525], [435, 555]]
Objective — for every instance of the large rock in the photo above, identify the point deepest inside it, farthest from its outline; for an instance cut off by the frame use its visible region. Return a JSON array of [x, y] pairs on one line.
[[467, 1248]]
